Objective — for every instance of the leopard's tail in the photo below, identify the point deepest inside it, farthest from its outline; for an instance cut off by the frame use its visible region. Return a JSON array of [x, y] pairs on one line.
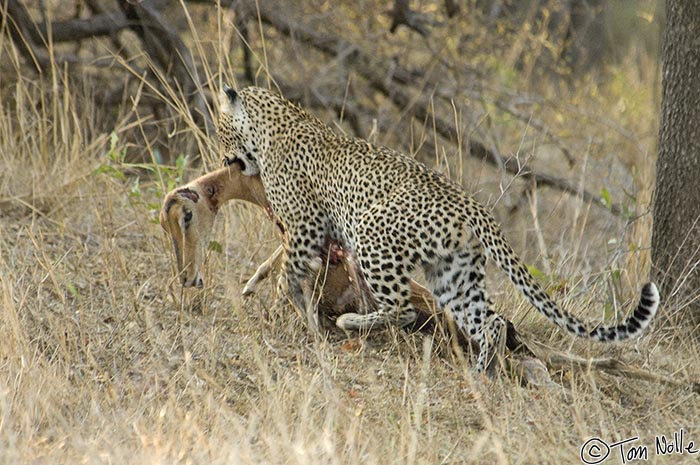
[[498, 248]]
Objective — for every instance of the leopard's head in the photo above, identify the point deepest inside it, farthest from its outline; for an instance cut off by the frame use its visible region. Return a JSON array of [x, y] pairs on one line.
[[239, 136], [249, 120]]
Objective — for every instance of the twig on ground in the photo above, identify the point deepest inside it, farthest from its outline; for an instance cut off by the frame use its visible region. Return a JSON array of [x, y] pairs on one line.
[[560, 360]]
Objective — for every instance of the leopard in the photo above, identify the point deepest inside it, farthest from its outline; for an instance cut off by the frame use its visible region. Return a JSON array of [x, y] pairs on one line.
[[394, 214], [187, 216]]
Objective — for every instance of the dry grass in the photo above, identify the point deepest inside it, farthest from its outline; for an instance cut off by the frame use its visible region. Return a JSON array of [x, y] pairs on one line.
[[104, 360]]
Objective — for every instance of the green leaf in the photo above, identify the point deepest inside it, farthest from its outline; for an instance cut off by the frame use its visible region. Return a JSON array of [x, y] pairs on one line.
[[109, 171], [100, 170], [136, 188], [607, 200], [536, 272], [180, 164], [616, 275], [214, 246], [72, 290], [113, 142], [608, 311]]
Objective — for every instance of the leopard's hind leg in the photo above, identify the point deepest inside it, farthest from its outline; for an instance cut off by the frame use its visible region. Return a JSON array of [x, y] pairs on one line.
[[457, 281], [386, 266]]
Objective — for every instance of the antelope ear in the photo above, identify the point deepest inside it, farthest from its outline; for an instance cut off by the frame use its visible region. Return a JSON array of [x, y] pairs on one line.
[[189, 194], [212, 193], [229, 100], [212, 189]]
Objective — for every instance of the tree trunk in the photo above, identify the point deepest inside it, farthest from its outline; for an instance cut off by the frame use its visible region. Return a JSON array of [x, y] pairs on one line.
[[676, 233]]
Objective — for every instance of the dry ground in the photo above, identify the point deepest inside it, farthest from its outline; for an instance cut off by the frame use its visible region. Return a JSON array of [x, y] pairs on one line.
[[103, 359]]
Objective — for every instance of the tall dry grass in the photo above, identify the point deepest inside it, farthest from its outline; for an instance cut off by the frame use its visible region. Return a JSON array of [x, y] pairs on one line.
[[103, 359]]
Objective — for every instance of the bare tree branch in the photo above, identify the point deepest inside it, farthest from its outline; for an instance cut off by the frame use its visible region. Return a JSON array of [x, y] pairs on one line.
[[401, 14], [367, 68], [351, 112], [165, 46], [242, 26], [451, 8], [24, 33], [79, 29]]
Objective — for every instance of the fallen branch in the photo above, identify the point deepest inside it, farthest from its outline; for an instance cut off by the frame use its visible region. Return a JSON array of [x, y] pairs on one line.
[[560, 360]]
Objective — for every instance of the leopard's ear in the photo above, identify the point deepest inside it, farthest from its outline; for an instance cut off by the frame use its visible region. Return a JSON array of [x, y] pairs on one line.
[[229, 100], [232, 95]]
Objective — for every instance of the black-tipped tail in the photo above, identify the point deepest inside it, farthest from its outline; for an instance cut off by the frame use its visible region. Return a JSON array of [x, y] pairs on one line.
[[637, 322]]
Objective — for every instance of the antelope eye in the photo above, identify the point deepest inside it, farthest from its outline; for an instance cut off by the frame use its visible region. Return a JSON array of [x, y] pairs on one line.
[[188, 216]]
